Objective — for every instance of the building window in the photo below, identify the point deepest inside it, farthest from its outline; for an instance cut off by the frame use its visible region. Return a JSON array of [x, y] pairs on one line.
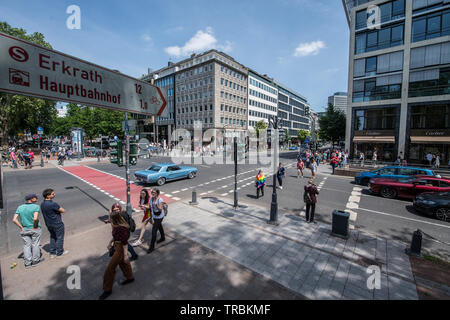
[[375, 119], [429, 83], [431, 26], [379, 39], [380, 88], [430, 117]]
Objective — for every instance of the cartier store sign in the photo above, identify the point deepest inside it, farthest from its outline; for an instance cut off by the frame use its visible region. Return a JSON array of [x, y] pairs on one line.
[[431, 133]]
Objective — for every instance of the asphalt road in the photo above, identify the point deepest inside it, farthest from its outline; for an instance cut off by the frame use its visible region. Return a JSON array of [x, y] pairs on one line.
[[393, 219]]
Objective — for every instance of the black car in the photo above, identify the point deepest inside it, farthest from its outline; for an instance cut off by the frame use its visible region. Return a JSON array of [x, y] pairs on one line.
[[437, 204]]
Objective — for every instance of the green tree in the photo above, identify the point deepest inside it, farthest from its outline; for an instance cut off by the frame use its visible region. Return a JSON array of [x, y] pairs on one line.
[[260, 126], [94, 121], [302, 135], [332, 125], [19, 113]]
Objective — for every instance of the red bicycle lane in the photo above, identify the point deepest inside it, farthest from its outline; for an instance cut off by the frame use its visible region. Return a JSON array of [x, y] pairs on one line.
[[109, 184]]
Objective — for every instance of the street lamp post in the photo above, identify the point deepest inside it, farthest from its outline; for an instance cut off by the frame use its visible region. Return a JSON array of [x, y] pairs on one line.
[[275, 122]]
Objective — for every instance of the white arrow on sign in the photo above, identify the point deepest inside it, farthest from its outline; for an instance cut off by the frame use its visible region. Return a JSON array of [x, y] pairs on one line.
[[32, 70]]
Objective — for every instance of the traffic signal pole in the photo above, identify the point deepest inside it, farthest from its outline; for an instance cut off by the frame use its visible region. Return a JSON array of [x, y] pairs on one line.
[[127, 163]]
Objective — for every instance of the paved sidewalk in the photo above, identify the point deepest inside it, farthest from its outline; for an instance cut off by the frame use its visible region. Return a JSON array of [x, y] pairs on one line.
[[54, 164], [215, 252], [302, 257]]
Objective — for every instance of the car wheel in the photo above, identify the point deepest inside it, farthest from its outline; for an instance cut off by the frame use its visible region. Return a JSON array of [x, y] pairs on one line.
[[388, 193], [365, 182], [443, 214], [160, 181], [191, 175]]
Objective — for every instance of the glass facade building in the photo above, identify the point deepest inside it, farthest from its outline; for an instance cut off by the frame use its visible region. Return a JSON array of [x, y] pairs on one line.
[[399, 84]]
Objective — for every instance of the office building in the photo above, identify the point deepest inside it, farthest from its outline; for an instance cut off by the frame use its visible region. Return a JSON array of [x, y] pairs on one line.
[[262, 98], [210, 87], [398, 89], [293, 110], [339, 101]]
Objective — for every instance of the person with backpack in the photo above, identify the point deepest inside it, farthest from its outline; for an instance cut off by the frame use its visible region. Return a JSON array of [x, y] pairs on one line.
[[117, 208], [310, 199], [334, 162], [281, 173], [144, 204], [158, 210], [119, 241]]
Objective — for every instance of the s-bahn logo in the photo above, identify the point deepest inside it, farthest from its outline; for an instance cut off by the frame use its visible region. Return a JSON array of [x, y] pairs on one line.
[[18, 54], [20, 78]]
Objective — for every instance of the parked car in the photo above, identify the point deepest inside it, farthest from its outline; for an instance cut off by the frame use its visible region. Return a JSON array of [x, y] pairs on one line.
[[293, 148], [408, 187], [434, 204], [162, 172], [393, 172]]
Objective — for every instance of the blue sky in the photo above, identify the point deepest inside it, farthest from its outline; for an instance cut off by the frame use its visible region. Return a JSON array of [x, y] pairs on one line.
[[301, 43]]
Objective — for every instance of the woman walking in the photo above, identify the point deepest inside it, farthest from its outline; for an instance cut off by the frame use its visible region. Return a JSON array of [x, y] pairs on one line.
[[157, 215], [120, 234], [144, 205], [260, 183], [117, 208], [300, 167], [280, 175], [310, 198]]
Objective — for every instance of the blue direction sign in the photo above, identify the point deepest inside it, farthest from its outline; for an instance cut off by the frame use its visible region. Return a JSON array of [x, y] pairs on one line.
[[40, 130]]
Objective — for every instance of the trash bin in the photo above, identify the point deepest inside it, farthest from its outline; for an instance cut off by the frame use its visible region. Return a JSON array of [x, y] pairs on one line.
[[340, 225]]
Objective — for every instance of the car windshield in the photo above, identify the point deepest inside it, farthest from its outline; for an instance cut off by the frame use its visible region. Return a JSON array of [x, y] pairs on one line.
[[154, 168]]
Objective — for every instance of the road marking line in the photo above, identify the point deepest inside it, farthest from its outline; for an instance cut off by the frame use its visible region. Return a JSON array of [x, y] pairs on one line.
[[404, 218], [176, 199], [175, 192], [168, 195], [202, 194], [223, 195], [185, 189]]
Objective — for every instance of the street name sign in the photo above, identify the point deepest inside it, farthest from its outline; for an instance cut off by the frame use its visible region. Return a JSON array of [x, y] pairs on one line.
[[32, 70]]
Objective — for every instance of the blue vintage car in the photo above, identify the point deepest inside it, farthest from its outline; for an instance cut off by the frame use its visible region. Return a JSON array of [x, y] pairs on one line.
[[161, 172], [394, 172]]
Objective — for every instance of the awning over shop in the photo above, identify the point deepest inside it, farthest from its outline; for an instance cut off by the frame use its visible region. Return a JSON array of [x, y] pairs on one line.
[[374, 139], [430, 139]]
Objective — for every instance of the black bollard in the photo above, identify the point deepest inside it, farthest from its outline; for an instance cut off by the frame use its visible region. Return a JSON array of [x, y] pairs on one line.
[[416, 244], [194, 198]]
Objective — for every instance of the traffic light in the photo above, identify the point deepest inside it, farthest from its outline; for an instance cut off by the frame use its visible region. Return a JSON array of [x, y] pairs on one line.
[[133, 152], [116, 152]]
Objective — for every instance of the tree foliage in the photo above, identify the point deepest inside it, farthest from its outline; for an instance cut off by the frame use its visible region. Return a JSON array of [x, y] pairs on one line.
[[19, 114], [260, 126], [332, 125], [302, 135], [94, 121]]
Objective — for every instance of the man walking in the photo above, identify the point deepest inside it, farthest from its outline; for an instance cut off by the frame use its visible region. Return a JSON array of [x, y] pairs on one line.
[[52, 217], [30, 230], [280, 175], [310, 198], [13, 158]]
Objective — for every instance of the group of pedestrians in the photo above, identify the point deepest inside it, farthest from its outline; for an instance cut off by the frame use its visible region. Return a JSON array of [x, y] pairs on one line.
[[17, 156], [155, 209], [27, 220]]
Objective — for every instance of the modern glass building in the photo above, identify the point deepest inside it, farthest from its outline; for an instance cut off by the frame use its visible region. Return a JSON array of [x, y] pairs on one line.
[[399, 72], [262, 98]]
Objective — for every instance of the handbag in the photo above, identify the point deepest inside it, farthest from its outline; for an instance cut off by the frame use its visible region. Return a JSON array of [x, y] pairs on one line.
[[112, 251], [307, 197]]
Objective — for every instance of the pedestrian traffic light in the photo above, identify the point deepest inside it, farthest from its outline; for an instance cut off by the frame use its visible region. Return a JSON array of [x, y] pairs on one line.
[[116, 155], [133, 152]]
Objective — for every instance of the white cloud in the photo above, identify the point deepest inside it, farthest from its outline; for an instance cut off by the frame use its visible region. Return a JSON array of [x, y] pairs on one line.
[[201, 41], [306, 49]]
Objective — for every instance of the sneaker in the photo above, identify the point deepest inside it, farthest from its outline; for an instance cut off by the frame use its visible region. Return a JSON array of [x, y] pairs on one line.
[[136, 243], [63, 254], [281, 188], [52, 256], [161, 240], [104, 295], [134, 258], [34, 264], [150, 250], [28, 266]]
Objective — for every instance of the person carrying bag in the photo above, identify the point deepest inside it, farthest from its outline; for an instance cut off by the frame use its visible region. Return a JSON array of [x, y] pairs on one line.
[[310, 199]]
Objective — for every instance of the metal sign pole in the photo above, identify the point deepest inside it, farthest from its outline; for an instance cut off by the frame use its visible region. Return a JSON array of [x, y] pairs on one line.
[[127, 164]]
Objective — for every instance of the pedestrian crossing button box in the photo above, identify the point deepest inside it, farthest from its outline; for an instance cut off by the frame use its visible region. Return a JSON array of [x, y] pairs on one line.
[[340, 224]]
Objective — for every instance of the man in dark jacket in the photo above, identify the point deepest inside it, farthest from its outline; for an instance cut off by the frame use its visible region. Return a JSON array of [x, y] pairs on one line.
[[311, 193]]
